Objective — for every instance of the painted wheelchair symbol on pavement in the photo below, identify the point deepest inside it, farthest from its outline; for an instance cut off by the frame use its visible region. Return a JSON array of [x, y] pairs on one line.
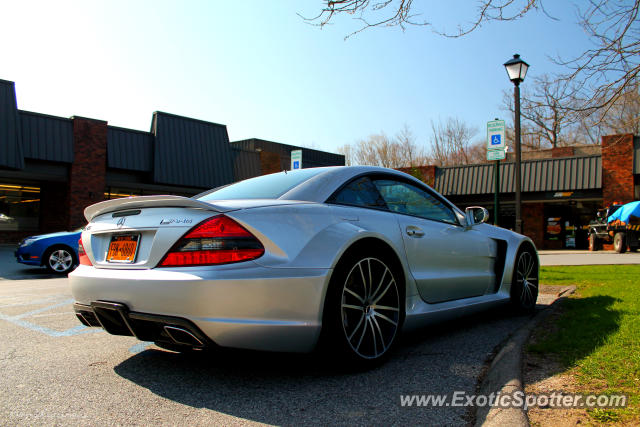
[[19, 319], [56, 302]]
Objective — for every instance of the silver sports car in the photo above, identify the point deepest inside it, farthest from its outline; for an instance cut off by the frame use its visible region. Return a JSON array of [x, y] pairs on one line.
[[341, 257]]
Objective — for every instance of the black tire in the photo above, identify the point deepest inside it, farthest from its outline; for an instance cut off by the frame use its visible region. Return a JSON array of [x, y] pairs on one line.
[[594, 244], [60, 259], [620, 242], [364, 310], [524, 285]]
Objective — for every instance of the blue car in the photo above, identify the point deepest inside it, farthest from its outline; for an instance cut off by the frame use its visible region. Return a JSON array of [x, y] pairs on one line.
[[56, 251]]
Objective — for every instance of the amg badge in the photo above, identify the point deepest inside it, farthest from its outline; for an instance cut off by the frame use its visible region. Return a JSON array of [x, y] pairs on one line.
[[168, 221]]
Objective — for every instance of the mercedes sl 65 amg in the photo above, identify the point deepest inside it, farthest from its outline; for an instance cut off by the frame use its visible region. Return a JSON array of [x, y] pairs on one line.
[[345, 258]]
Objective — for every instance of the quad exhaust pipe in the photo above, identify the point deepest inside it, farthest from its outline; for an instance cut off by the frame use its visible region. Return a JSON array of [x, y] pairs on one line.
[[116, 319], [182, 336]]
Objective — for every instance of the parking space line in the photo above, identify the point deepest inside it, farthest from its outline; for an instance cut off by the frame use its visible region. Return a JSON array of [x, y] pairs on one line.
[[41, 310], [139, 347], [18, 320], [76, 330]]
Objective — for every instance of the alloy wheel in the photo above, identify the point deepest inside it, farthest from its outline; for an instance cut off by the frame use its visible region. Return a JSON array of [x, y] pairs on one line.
[[527, 279], [370, 308], [60, 260]]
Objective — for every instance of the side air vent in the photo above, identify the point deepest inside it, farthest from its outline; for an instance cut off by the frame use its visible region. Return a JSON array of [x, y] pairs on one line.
[[500, 262]]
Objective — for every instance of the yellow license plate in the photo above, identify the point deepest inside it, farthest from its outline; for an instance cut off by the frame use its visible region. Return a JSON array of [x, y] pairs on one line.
[[123, 248]]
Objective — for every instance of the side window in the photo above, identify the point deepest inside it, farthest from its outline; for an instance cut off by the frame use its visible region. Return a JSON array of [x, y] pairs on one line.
[[359, 192], [405, 198]]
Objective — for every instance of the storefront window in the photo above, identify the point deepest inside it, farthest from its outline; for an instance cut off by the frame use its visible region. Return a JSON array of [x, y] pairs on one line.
[[567, 224], [19, 207]]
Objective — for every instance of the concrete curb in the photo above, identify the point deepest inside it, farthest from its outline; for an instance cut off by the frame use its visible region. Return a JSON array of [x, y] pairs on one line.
[[505, 373]]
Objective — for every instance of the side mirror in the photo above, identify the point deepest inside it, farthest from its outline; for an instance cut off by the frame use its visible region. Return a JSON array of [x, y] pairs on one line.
[[476, 215]]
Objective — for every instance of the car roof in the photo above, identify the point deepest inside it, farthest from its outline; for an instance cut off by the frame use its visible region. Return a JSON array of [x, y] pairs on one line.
[[321, 186]]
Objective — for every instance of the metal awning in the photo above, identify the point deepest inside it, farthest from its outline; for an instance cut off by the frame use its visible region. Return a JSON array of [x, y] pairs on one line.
[[560, 174]]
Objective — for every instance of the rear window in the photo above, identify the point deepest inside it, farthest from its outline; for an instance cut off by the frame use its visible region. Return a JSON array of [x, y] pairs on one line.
[[261, 187]]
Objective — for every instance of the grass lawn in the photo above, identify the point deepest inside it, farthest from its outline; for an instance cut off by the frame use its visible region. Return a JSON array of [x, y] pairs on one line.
[[597, 335]]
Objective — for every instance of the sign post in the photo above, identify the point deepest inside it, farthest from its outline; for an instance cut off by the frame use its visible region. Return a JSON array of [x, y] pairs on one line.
[[496, 199], [296, 159], [496, 151]]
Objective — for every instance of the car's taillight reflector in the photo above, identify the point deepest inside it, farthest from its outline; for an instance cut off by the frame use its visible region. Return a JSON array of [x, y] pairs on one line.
[[82, 255], [217, 240]]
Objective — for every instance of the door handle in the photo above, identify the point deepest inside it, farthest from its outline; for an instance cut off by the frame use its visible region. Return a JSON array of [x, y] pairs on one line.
[[414, 231]]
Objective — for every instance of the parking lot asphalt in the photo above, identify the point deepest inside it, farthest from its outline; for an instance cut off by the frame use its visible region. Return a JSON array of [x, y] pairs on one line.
[[56, 371]]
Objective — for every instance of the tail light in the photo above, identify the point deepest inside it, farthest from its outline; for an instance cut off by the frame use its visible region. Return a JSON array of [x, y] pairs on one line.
[[217, 240], [82, 255]]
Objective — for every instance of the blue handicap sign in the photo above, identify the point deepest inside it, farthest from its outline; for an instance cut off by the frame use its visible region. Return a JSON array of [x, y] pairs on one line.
[[296, 164], [495, 139]]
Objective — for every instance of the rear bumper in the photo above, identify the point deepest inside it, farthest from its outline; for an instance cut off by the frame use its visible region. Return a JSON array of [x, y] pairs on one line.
[[116, 319], [237, 306]]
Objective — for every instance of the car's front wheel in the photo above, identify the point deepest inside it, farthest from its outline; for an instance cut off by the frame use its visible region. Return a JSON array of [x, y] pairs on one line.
[[524, 286], [59, 260], [364, 309]]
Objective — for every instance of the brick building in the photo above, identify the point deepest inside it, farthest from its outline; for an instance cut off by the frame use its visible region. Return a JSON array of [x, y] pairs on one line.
[[51, 168]]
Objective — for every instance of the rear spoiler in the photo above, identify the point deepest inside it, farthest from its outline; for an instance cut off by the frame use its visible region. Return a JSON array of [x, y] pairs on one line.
[[147, 202]]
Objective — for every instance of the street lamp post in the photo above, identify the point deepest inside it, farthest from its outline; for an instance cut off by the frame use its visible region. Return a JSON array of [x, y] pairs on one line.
[[517, 70]]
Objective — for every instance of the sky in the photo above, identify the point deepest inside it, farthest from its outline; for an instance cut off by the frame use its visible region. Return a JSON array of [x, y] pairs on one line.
[[259, 68]]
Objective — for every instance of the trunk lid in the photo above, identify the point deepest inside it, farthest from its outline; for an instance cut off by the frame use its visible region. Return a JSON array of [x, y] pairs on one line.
[[155, 223], [127, 203], [155, 230]]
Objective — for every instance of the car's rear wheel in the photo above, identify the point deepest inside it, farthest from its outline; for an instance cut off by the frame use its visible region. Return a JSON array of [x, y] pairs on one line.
[[620, 243], [60, 260], [364, 309], [524, 286]]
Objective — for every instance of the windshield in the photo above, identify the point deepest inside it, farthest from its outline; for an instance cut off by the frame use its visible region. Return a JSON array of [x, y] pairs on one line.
[[261, 187]]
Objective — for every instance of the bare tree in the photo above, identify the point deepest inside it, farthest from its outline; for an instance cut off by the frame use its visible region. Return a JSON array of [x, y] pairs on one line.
[[451, 142], [379, 150], [400, 13], [543, 104], [549, 120], [599, 75], [347, 151], [376, 150], [622, 117], [604, 73], [410, 153], [530, 137], [477, 152]]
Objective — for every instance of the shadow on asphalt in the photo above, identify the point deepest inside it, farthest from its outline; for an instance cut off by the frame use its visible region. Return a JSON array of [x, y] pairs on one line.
[[30, 274], [276, 388]]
